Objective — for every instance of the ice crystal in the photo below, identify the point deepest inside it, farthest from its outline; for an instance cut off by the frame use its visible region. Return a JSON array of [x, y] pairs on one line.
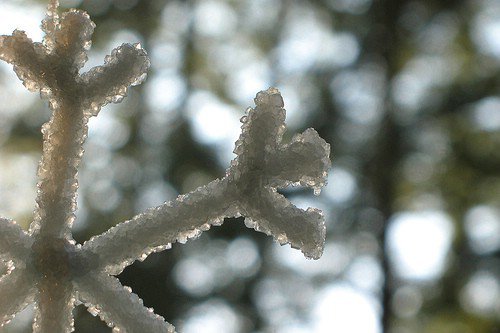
[[48, 268]]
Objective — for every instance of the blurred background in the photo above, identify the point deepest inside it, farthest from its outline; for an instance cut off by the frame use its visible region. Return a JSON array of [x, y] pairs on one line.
[[405, 91]]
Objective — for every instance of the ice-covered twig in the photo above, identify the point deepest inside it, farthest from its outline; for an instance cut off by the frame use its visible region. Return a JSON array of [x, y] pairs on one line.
[[51, 270], [264, 164], [154, 230], [52, 67], [18, 290], [118, 306], [249, 189], [15, 243]]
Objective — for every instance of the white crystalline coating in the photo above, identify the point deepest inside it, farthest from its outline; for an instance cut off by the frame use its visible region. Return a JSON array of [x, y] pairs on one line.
[[72, 39], [53, 310], [14, 242], [303, 161], [48, 268], [248, 189], [126, 66], [50, 23], [118, 306], [264, 164], [27, 58], [17, 292], [174, 221]]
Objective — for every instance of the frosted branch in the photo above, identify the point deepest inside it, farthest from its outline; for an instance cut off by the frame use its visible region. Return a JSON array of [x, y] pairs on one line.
[[264, 164], [73, 39], [51, 270], [28, 58], [73, 98], [17, 290], [269, 212], [127, 65], [186, 217], [55, 303], [14, 242], [250, 182], [49, 23], [118, 306], [303, 161]]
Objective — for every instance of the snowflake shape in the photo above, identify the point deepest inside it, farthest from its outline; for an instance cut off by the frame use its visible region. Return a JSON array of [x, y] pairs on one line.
[[49, 269]]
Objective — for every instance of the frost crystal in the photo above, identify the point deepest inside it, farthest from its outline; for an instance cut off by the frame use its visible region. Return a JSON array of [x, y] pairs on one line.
[[48, 268]]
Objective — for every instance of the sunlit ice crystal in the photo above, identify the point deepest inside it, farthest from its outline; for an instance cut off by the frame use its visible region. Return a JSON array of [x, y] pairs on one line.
[[48, 268]]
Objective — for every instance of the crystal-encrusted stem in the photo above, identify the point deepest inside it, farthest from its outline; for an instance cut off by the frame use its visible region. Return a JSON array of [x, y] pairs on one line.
[[14, 242], [62, 150], [55, 303], [269, 212], [50, 22], [118, 306], [17, 291], [177, 220]]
